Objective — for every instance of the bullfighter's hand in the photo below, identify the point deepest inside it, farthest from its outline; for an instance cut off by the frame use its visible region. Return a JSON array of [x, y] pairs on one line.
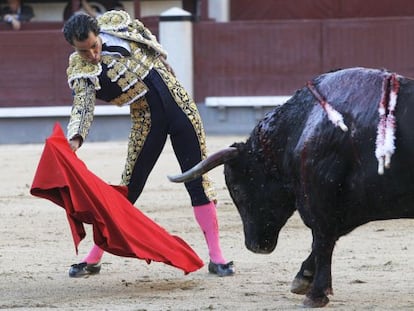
[[75, 143]]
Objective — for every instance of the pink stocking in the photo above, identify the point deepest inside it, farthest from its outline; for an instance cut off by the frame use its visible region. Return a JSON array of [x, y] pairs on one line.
[[94, 256], [206, 217]]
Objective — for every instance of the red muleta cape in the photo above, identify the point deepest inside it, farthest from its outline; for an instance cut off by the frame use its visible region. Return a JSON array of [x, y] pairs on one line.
[[118, 226]]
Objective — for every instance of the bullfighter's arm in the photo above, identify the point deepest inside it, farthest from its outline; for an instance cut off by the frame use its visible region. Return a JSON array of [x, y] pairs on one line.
[[82, 110]]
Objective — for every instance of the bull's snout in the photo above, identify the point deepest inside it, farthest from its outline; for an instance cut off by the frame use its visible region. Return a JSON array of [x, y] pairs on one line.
[[260, 239], [265, 247]]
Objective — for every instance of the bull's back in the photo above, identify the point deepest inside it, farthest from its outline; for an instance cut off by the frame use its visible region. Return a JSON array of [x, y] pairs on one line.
[[341, 167]]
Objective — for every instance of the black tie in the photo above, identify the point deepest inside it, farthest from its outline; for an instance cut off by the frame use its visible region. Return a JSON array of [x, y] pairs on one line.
[[115, 48]]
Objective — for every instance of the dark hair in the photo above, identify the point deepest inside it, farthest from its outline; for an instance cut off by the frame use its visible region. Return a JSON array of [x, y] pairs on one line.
[[78, 27], [117, 6]]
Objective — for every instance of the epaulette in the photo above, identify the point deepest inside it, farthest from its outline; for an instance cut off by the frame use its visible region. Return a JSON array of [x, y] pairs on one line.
[[79, 68], [114, 21], [120, 24]]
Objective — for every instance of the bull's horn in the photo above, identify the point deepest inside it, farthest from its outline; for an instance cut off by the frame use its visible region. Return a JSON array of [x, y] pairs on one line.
[[212, 161]]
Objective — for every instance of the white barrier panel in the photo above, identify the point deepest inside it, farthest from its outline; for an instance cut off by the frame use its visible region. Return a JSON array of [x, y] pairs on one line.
[[58, 111]]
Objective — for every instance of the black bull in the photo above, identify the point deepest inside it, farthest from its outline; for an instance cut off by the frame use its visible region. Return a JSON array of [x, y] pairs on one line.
[[297, 159]]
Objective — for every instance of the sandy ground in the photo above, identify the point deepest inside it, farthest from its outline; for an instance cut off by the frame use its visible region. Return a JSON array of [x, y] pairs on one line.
[[371, 266]]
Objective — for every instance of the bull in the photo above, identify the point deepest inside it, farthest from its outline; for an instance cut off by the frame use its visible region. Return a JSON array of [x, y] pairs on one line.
[[340, 152]]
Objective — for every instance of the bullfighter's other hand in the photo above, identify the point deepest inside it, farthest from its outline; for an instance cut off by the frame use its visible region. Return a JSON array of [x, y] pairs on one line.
[[75, 143]]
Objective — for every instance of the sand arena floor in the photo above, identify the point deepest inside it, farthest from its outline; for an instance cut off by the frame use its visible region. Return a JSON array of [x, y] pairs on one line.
[[372, 266]]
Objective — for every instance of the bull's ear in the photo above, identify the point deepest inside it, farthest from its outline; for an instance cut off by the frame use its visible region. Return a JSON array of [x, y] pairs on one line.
[[212, 161], [240, 147], [236, 145]]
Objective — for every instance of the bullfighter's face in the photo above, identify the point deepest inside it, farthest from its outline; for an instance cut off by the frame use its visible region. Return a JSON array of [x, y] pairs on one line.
[[89, 49]]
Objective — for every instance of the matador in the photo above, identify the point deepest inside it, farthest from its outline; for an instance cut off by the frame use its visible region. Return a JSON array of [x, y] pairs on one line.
[[118, 60]]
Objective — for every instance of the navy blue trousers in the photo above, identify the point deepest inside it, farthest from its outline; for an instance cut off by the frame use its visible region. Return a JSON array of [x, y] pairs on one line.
[[167, 118]]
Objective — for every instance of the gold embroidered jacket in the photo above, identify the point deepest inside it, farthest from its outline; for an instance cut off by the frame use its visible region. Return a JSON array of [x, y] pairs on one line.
[[117, 80]]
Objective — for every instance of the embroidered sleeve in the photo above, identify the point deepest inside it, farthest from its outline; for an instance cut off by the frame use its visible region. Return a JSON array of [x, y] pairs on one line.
[[82, 109]]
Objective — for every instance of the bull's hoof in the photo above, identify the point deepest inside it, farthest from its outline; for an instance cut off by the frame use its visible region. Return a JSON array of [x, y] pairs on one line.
[[300, 286], [315, 302]]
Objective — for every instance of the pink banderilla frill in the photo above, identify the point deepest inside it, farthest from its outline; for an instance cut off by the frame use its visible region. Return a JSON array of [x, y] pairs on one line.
[[385, 146]]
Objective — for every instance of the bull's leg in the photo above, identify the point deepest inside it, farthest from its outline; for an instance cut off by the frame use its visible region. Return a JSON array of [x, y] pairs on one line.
[[304, 278], [321, 287]]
